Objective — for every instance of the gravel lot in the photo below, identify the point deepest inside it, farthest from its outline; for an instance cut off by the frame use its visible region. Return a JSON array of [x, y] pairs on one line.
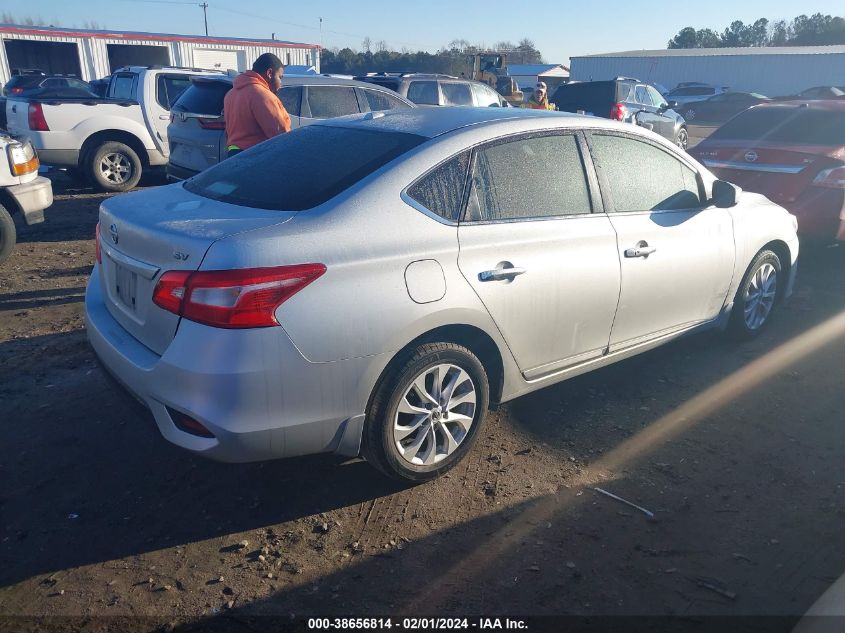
[[738, 452]]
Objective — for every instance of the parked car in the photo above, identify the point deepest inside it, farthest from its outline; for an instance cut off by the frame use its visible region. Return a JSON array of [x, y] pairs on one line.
[[818, 92], [37, 83], [438, 90], [111, 141], [197, 131], [722, 107], [100, 86], [794, 154], [623, 99], [22, 190], [368, 284], [690, 91]]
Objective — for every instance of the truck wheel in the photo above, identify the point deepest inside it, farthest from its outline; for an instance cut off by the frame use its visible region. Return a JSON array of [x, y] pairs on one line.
[[114, 166], [8, 234]]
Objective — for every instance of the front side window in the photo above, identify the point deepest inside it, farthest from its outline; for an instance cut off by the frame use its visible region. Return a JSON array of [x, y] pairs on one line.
[[424, 92], [328, 102], [291, 98], [642, 96], [484, 97], [169, 88], [456, 94], [442, 189], [656, 98], [643, 177], [535, 177]]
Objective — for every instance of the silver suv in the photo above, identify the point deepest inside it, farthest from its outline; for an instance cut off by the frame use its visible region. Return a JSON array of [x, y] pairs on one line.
[[438, 90], [197, 132]]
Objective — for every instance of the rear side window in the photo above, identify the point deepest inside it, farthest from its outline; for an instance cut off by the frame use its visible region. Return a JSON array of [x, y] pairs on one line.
[[328, 102], [643, 177], [169, 88], [423, 92], [308, 161], [377, 101], [786, 125], [456, 94], [203, 97], [291, 98], [508, 181], [442, 189], [123, 86]]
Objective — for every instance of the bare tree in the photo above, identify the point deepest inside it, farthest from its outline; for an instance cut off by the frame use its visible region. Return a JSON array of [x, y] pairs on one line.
[[367, 45], [381, 46]]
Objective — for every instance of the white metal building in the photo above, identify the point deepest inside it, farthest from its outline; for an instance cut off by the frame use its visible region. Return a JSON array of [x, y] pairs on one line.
[[771, 71], [526, 75], [91, 54]]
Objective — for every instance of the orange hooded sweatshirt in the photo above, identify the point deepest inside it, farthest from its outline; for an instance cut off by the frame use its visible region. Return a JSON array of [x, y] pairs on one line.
[[252, 112]]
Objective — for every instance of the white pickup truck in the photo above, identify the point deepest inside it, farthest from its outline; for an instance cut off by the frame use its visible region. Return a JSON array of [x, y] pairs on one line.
[[110, 141], [22, 190]]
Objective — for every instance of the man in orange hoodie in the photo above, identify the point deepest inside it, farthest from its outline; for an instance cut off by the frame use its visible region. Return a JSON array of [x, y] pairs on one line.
[[251, 109]]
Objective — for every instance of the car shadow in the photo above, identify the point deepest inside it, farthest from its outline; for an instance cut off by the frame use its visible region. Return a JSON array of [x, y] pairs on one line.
[[41, 298]]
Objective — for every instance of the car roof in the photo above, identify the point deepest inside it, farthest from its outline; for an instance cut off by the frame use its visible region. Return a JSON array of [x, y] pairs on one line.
[[433, 122], [302, 80], [835, 105]]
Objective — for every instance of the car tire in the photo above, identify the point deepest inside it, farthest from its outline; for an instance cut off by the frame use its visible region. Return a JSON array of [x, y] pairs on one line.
[[682, 138], [114, 166], [8, 234], [409, 437], [757, 296]]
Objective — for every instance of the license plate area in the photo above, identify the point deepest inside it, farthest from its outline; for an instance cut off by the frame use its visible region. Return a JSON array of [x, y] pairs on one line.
[[126, 286]]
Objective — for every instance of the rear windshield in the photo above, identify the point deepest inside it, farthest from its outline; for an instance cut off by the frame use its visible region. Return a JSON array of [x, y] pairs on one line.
[[786, 125], [302, 169], [392, 84], [596, 97], [203, 97]]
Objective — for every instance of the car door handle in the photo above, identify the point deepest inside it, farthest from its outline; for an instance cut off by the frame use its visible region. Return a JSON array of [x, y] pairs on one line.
[[501, 274], [164, 117], [640, 250]]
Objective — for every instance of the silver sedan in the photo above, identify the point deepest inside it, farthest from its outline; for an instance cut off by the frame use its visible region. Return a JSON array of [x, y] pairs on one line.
[[368, 285]]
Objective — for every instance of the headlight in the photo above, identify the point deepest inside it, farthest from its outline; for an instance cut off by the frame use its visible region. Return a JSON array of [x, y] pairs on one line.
[[22, 158]]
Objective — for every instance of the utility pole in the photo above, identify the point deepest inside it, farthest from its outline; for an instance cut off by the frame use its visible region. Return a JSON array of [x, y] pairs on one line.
[[204, 6], [321, 32]]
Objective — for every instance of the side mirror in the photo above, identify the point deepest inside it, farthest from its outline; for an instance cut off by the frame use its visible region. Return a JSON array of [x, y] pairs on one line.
[[724, 194], [672, 105]]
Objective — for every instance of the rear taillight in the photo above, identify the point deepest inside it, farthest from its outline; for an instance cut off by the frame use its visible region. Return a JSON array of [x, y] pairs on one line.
[[37, 122], [833, 178], [97, 248], [17, 91], [233, 298], [618, 112], [187, 424], [212, 124]]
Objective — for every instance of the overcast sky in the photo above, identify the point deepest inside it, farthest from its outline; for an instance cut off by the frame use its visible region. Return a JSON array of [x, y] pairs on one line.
[[559, 30]]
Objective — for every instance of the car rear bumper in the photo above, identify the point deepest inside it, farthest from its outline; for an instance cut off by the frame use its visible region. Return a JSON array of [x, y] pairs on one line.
[[175, 172], [820, 212], [32, 198], [251, 389]]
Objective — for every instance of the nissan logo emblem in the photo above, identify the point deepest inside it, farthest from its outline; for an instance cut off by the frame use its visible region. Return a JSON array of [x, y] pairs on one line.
[[751, 156], [113, 233]]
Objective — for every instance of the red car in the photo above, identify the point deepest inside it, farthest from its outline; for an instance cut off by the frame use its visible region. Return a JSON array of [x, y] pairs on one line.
[[794, 154]]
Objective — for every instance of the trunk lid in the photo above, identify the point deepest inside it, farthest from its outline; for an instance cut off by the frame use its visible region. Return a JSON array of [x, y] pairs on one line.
[[147, 233], [779, 172], [194, 143]]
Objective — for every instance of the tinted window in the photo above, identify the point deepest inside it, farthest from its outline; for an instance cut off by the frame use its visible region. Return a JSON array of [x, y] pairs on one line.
[[642, 96], [456, 94], [442, 189], [508, 183], [424, 92], [786, 125], [377, 101], [76, 83], [54, 82], [203, 97], [596, 97], [123, 87], [313, 169], [656, 98], [169, 88], [291, 98], [327, 102], [643, 177]]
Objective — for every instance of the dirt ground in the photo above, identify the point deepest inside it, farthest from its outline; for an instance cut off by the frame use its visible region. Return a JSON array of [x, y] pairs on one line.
[[737, 450]]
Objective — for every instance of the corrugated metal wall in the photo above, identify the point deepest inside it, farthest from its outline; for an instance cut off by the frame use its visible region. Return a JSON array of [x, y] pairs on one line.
[[771, 75], [94, 59]]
